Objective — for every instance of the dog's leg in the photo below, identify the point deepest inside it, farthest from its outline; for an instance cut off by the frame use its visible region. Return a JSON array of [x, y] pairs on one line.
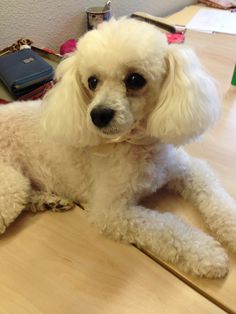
[[164, 235], [197, 184], [14, 194], [41, 201]]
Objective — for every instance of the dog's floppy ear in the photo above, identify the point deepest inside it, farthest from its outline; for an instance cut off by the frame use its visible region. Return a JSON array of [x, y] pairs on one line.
[[189, 101], [64, 106]]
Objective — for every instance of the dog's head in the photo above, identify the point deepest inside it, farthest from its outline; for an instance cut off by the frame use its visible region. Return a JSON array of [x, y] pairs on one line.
[[124, 79]]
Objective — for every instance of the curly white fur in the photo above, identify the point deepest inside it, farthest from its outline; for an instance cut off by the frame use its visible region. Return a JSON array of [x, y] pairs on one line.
[[54, 147]]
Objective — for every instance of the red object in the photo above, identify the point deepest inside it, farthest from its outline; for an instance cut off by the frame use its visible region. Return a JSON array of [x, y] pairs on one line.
[[39, 92], [68, 46], [50, 51], [177, 38], [4, 101]]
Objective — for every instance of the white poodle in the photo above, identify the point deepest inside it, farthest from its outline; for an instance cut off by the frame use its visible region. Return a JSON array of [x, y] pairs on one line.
[[109, 134]]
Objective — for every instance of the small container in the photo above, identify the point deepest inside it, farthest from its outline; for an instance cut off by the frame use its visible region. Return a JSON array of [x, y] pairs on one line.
[[97, 15]]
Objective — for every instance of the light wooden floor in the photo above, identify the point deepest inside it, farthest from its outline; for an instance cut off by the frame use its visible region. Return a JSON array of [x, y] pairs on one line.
[[56, 263]]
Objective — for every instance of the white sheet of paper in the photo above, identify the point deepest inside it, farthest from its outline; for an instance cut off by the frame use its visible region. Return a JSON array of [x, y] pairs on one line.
[[214, 20]]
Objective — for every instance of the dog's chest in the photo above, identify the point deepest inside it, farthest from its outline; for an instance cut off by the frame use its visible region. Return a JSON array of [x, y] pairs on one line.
[[75, 173], [131, 169]]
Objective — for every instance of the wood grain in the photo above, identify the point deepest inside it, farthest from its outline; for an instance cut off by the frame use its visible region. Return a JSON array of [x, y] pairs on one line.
[[56, 263]]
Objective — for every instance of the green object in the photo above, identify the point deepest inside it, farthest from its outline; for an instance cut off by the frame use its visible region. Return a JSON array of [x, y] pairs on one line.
[[233, 82]]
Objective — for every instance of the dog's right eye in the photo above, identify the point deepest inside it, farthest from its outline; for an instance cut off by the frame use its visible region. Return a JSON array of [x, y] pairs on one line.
[[92, 82], [135, 81]]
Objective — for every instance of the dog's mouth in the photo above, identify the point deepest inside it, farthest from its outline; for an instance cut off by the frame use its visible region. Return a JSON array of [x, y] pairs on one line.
[[114, 133], [114, 126], [111, 131]]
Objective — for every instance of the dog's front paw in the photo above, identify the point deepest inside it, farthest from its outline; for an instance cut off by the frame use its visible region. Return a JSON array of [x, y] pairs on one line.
[[58, 205], [41, 201], [210, 261], [226, 232]]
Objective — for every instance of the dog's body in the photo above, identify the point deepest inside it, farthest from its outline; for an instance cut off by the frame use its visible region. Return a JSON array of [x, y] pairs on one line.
[[76, 172], [113, 127]]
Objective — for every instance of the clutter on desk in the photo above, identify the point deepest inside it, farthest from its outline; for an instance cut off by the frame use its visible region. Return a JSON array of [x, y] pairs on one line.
[[4, 101], [47, 53], [213, 20], [177, 38], [96, 15], [159, 22], [219, 4], [68, 47], [22, 43], [174, 33], [23, 71], [38, 92]]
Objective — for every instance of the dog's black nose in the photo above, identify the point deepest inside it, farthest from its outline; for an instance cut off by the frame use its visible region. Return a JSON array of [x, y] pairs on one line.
[[102, 115]]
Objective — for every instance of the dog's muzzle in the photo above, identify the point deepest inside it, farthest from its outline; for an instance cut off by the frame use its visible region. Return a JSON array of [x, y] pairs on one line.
[[102, 115]]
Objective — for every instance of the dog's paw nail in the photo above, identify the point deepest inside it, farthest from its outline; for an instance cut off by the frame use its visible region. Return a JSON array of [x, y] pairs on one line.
[[59, 206], [63, 205], [49, 206]]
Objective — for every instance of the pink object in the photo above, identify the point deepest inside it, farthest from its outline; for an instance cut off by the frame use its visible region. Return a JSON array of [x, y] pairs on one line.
[[176, 38], [68, 46]]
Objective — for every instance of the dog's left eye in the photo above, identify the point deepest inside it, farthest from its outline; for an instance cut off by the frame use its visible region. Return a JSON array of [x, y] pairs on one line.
[[92, 82], [135, 81]]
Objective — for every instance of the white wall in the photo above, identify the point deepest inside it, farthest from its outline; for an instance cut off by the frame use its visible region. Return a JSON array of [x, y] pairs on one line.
[[49, 23]]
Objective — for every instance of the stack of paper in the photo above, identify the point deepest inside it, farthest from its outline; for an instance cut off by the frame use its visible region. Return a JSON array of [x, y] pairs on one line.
[[214, 20]]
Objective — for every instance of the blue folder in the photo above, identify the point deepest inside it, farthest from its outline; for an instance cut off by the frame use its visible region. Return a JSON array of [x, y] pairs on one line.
[[23, 71]]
